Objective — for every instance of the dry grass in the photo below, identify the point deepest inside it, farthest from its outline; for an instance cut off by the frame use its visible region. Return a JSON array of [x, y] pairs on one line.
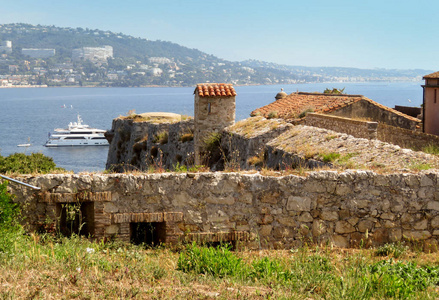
[[64, 269]]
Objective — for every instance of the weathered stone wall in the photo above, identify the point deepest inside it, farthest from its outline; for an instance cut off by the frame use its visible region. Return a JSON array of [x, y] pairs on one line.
[[261, 212], [248, 139], [381, 114], [135, 145], [356, 128], [406, 138]]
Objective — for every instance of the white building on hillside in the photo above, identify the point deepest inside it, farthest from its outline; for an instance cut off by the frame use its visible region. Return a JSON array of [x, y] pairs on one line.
[[6, 46], [94, 54]]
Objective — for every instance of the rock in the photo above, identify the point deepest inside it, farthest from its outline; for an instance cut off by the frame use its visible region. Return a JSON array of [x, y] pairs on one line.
[[344, 227], [299, 203]]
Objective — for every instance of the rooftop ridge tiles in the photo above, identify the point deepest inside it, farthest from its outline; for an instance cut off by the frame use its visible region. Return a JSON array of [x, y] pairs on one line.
[[214, 90]]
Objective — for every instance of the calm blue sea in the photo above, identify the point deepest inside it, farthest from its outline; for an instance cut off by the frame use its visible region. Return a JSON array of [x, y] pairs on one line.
[[30, 113]]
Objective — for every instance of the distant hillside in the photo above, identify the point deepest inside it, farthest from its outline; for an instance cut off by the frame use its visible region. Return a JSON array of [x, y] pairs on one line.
[[132, 64]]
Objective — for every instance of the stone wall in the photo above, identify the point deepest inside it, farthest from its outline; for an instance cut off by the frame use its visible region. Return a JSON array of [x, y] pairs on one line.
[[356, 128], [137, 145], [364, 109], [406, 138], [345, 209]]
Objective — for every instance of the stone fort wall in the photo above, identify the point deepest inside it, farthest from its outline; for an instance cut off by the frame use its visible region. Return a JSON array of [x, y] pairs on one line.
[[346, 209]]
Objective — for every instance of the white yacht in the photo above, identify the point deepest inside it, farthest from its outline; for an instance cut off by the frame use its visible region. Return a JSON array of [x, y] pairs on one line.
[[77, 134]]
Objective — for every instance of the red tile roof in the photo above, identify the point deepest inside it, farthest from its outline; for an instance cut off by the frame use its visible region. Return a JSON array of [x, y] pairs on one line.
[[215, 90], [432, 75], [294, 104]]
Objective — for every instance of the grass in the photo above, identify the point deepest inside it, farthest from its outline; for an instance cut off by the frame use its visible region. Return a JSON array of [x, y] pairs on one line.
[[431, 149], [44, 266], [330, 157]]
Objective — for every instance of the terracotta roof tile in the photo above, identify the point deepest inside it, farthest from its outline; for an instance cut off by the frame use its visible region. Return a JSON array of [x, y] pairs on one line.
[[432, 75], [294, 104], [215, 90]]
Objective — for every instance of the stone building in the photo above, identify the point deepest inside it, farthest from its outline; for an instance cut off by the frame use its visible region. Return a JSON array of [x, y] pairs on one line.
[[431, 104], [297, 105], [214, 110]]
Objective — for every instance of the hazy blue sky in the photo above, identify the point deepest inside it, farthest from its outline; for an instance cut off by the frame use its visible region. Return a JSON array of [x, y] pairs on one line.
[[365, 34]]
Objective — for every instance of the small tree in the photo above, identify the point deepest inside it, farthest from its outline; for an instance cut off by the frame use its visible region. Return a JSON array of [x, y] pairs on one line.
[[334, 91]]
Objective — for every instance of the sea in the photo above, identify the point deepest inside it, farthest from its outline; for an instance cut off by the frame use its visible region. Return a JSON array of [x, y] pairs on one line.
[[29, 114]]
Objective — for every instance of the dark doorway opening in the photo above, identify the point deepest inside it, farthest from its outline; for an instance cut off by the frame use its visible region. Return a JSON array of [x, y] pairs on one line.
[[76, 218], [150, 234]]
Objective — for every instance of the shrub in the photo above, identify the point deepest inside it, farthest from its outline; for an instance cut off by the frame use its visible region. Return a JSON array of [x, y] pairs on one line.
[[305, 112], [26, 164], [212, 141], [9, 211], [161, 138], [272, 115], [187, 137]]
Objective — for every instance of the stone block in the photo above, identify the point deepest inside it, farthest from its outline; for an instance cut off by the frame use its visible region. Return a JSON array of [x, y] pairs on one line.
[[282, 233], [426, 181], [388, 224], [340, 241], [329, 215], [265, 230], [421, 225], [387, 216], [287, 221], [365, 225], [344, 227], [266, 219], [435, 222], [228, 200], [112, 229], [299, 203], [192, 216], [360, 203], [395, 234], [305, 217], [246, 198], [270, 197], [433, 205], [314, 187], [343, 189], [416, 235], [110, 207]]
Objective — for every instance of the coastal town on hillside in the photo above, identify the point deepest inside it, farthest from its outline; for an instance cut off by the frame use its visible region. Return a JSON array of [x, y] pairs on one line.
[[37, 56]]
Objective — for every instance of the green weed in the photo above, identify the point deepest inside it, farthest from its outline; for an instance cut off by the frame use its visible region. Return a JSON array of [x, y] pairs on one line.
[[394, 250]]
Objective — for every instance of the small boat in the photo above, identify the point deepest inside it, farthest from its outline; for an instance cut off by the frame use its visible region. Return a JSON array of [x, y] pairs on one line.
[[77, 134], [25, 145]]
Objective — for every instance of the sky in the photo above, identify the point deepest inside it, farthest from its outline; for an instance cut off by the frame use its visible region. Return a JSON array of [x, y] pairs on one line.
[[339, 33]]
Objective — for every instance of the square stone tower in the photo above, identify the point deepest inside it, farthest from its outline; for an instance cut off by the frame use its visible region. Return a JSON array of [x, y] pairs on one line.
[[430, 109], [214, 109]]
